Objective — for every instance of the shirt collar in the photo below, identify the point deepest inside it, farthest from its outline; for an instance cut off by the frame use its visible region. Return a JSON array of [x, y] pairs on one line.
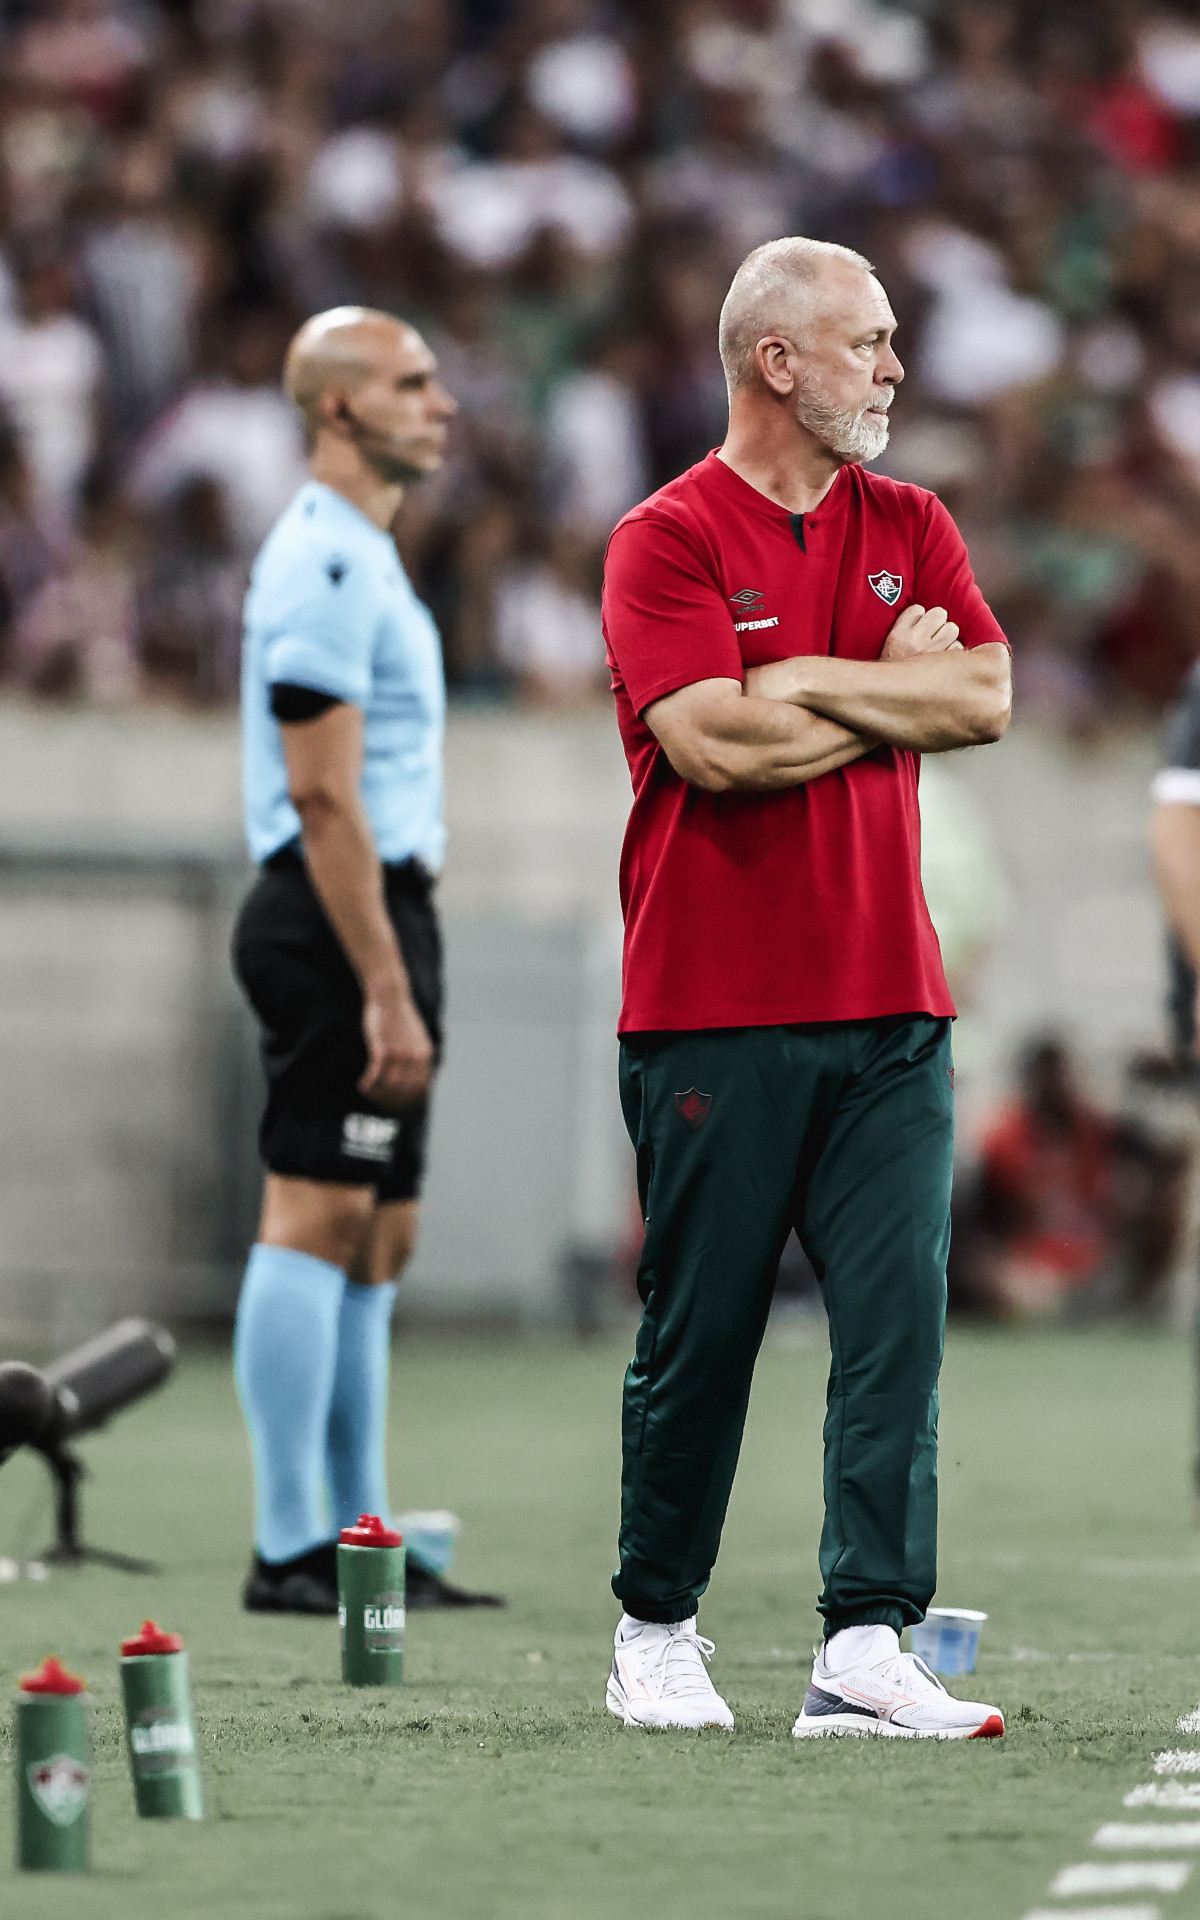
[[750, 497]]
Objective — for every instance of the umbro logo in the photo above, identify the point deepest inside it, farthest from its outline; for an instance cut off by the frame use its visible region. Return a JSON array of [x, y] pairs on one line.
[[889, 586], [746, 599], [337, 569]]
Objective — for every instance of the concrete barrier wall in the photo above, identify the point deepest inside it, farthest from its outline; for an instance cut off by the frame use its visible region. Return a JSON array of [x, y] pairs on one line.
[[129, 1085]]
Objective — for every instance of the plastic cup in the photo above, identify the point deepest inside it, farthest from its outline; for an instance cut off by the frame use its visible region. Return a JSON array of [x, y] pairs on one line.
[[948, 1638], [431, 1537]]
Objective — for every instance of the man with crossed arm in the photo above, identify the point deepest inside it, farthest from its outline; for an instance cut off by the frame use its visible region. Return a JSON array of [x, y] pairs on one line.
[[788, 634]]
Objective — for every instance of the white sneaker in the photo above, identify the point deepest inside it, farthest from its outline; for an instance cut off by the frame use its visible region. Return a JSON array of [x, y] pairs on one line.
[[896, 1695], [659, 1678]]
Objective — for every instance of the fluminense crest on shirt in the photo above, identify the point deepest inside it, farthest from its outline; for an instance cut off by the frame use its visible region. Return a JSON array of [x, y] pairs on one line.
[[888, 586], [694, 1106]]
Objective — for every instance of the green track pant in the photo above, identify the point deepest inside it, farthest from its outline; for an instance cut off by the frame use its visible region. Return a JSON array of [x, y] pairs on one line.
[[844, 1131]]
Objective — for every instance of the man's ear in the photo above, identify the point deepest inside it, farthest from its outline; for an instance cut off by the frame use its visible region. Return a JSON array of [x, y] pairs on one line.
[[772, 356]]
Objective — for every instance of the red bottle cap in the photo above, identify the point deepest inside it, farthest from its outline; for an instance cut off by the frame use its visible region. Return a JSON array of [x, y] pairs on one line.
[[51, 1677], [370, 1532], [152, 1639]]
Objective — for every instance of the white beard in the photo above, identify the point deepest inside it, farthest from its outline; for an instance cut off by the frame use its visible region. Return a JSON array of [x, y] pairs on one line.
[[851, 435]]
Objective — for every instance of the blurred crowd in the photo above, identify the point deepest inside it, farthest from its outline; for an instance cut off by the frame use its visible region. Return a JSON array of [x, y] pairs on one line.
[[557, 193], [1073, 1208]]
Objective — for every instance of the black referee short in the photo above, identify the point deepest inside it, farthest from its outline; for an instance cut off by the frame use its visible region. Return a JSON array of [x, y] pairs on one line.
[[317, 1125]]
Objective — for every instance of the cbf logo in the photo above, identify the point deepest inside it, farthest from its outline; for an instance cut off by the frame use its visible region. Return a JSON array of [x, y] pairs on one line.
[[368, 1136], [60, 1787], [888, 586]]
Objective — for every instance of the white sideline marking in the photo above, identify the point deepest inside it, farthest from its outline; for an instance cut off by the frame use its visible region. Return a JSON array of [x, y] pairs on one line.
[[1189, 1722], [1096, 1913], [1178, 1794], [1131, 1834], [1125, 1876], [1181, 1760]]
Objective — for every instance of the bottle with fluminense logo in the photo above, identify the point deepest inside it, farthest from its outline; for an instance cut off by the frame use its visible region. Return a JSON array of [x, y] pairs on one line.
[[52, 1750], [159, 1727], [370, 1561]]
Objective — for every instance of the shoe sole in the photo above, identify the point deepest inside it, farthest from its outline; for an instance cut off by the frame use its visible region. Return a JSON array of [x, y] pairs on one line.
[[617, 1705], [279, 1600], [299, 1613], [857, 1727], [451, 1598]]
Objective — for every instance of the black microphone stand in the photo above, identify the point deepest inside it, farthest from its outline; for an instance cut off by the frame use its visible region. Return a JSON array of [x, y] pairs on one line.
[[68, 1549], [77, 1394]]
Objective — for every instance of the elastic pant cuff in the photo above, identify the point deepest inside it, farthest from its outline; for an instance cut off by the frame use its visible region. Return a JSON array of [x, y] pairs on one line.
[[868, 1616], [660, 1614]]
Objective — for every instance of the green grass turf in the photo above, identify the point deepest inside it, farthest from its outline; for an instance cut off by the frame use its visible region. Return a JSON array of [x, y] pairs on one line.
[[494, 1784]]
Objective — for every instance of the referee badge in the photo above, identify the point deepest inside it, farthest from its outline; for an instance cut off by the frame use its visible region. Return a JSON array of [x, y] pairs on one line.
[[888, 586]]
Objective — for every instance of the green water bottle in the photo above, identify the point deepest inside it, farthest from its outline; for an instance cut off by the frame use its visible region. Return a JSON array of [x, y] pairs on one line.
[[159, 1729], [52, 1747], [370, 1560]]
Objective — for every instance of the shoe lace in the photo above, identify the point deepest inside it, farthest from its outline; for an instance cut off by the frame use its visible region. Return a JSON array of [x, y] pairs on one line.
[[675, 1666], [899, 1671]]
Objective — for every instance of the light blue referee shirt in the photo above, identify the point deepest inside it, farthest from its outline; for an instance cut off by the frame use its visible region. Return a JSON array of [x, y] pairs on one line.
[[330, 607]]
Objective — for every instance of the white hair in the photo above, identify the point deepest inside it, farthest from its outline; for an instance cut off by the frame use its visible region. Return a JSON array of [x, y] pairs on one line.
[[775, 285]]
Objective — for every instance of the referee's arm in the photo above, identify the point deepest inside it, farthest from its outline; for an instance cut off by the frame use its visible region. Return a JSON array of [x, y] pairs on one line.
[[324, 764], [1175, 847]]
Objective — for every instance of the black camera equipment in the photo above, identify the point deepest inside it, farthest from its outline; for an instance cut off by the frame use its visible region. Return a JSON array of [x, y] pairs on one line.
[[74, 1396]]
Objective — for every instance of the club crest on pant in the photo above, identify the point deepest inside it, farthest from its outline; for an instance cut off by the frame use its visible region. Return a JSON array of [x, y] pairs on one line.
[[888, 586], [60, 1787], [694, 1106]]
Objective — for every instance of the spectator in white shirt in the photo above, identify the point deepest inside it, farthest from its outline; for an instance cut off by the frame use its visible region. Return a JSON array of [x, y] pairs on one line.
[[236, 429], [596, 466], [547, 626], [51, 370], [488, 211]]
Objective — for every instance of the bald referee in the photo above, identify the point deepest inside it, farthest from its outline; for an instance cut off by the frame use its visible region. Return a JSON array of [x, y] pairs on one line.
[[788, 634], [337, 946]]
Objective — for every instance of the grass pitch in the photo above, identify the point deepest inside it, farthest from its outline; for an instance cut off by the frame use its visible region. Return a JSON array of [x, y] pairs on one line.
[[494, 1784]]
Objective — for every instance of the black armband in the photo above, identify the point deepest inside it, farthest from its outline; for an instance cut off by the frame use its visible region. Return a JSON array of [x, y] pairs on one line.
[[290, 702]]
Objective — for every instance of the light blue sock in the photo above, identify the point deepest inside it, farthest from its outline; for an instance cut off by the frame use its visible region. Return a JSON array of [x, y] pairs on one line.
[[285, 1341], [357, 1437]]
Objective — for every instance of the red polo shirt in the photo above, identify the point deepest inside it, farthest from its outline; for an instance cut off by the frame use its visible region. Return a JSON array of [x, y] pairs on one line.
[[762, 909]]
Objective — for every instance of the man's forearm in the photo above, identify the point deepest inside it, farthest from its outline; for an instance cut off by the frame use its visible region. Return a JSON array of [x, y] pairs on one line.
[[348, 878], [929, 704], [761, 746]]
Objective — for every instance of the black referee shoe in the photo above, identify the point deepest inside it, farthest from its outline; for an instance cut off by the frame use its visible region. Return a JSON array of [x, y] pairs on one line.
[[307, 1584], [425, 1588]]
